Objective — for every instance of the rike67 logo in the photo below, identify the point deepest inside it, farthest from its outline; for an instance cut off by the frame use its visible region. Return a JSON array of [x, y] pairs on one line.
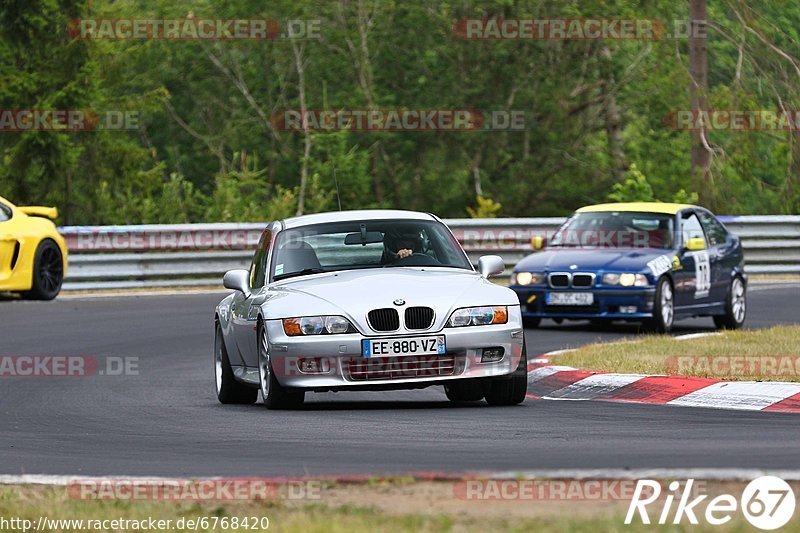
[[767, 502]]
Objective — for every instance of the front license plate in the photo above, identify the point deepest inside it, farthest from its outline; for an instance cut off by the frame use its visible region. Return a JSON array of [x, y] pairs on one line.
[[569, 298], [405, 346]]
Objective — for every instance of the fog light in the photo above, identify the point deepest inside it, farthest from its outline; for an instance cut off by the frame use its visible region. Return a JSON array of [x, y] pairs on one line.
[[314, 365], [492, 355], [627, 309]]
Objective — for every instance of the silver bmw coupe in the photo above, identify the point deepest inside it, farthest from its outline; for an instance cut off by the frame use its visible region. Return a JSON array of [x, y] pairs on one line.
[[367, 300]]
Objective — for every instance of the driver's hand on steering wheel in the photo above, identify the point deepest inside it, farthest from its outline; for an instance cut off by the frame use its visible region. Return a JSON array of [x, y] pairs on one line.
[[403, 253]]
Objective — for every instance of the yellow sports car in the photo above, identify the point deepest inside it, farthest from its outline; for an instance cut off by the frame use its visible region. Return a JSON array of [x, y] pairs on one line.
[[33, 256]]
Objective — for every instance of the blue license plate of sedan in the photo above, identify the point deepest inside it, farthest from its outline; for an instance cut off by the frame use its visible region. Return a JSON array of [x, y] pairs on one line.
[[403, 346]]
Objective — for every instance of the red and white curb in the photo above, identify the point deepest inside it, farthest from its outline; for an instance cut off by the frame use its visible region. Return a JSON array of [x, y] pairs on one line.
[[552, 382]]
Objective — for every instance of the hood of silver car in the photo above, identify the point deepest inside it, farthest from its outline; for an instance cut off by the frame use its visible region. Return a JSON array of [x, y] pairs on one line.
[[354, 293]]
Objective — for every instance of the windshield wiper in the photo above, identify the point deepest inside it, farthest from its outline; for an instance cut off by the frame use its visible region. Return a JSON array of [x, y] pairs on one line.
[[304, 272]]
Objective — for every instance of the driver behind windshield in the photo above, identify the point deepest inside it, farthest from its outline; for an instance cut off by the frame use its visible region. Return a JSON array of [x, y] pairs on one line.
[[398, 246]]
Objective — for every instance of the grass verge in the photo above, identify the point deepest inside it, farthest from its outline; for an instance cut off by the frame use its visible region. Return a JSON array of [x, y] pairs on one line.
[[394, 508], [771, 354]]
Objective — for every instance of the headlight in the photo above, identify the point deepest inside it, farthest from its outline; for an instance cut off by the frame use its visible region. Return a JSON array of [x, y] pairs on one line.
[[317, 325], [626, 279], [529, 278], [478, 316]]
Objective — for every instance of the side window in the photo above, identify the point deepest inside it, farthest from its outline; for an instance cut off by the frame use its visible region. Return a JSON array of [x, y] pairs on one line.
[[717, 234], [691, 227], [5, 213], [258, 268]]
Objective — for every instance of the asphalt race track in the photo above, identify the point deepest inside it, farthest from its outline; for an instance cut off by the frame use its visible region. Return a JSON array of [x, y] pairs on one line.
[[166, 420]]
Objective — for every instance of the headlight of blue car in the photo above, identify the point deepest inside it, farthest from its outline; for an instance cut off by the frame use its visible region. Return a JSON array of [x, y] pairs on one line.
[[478, 316], [317, 325], [528, 278], [625, 279]]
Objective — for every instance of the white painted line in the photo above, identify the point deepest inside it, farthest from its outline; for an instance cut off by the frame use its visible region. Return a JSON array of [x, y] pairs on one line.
[[690, 336], [42, 479], [557, 352], [539, 361], [130, 294], [771, 286], [745, 395], [592, 387], [540, 373], [721, 474]]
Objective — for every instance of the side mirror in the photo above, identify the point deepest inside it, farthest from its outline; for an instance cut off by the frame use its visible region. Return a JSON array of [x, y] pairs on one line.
[[491, 265], [538, 243], [238, 280], [695, 244]]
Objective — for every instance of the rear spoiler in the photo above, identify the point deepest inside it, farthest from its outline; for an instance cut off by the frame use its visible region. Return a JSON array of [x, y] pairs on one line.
[[39, 211]]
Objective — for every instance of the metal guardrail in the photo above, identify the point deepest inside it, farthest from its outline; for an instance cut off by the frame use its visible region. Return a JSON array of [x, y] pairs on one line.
[[107, 257]]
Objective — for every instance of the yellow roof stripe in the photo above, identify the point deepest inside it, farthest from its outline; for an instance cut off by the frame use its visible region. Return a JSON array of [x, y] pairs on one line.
[[638, 207]]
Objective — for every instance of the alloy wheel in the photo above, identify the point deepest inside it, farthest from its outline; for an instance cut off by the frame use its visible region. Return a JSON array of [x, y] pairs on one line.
[[264, 371], [667, 305], [738, 302], [51, 270], [218, 361]]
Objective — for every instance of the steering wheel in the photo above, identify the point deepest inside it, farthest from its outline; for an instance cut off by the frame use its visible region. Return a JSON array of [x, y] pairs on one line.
[[417, 259]]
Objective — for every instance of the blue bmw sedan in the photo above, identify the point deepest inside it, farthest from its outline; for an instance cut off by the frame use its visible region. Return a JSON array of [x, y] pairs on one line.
[[650, 262]]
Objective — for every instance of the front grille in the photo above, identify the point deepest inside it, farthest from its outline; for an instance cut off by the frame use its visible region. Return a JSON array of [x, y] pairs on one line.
[[419, 317], [411, 366], [582, 280], [385, 319], [559, 280]]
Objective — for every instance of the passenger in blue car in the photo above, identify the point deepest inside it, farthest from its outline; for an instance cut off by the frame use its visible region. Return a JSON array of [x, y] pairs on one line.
[[663, 236]]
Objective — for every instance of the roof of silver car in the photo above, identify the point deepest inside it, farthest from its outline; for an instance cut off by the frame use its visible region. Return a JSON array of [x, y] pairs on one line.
[[345, 216]]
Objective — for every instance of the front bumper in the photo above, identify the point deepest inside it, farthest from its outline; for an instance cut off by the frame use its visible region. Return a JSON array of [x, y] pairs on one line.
[[607, 303], [348, 369]]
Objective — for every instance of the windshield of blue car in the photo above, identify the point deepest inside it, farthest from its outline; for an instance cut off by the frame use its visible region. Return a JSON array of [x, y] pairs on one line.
[[615, 229], [365, 244]]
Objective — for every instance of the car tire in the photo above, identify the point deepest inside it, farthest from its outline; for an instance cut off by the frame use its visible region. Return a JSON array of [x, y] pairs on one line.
[[273, 394], [663, 308], [48, 272], [531, 322], [735, 306], [510, 390], [465, 390], [229, 391]]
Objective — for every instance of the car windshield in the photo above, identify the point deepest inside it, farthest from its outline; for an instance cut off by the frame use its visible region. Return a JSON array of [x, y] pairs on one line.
[[365, 244], [616, 229]]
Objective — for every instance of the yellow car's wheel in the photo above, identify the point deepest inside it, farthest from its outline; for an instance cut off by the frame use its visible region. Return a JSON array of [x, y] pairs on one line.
[[48, 272]]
